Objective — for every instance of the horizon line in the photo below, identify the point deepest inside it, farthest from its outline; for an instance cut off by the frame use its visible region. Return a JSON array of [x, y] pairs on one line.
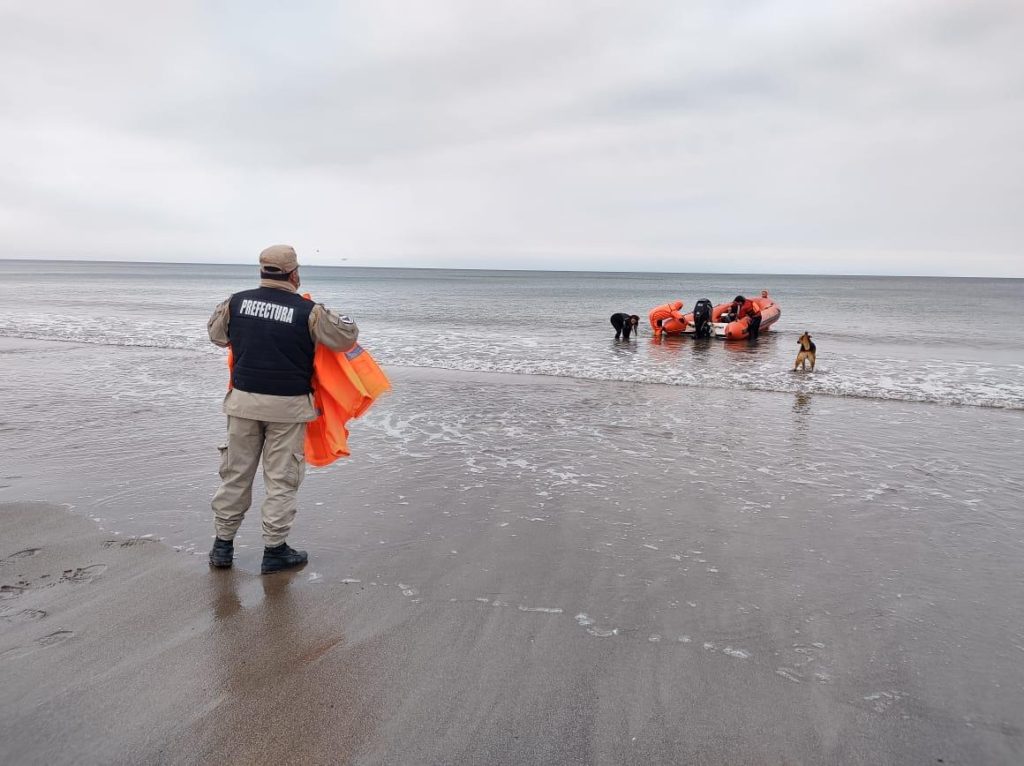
[[511, 270]]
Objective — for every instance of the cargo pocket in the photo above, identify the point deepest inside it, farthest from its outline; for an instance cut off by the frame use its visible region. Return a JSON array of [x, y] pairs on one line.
[[297, 469], [223, 461]]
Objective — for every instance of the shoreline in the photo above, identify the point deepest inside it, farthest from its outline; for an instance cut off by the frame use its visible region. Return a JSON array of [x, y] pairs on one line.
[[19, 344]]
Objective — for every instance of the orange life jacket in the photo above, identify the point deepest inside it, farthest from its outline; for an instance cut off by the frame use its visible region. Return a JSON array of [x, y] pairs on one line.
[[345, 384], [748, 309]]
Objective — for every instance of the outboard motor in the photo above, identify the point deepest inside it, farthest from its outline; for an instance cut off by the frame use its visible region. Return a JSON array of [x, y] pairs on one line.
[[702, 318]]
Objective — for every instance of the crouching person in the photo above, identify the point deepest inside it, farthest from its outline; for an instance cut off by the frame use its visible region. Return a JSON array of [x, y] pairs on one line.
[[624, 324]]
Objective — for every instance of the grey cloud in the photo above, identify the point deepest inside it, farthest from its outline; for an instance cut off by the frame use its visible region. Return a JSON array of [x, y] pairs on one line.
[[778, 133]]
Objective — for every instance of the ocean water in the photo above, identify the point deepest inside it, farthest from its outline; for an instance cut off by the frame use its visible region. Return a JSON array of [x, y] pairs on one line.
[[754, 539], [945, 341]]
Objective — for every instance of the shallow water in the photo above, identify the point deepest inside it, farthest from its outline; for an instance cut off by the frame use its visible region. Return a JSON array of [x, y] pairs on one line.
[[950, 341], [639, 474]]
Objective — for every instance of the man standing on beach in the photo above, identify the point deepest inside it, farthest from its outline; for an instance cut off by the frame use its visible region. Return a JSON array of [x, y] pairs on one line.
[[273, 333]]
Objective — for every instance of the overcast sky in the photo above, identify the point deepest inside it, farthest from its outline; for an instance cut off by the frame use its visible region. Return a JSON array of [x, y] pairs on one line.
[[732, 135]]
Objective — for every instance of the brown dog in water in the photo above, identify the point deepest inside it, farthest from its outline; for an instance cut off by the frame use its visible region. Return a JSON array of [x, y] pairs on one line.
[[807, 352]]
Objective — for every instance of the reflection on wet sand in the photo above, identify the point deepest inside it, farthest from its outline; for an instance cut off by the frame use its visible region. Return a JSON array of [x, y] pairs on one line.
[[225, 601], [763, 346], [801, 421], [700, 348], [624, 347], [280, 664], [665, 347], [802, 404]]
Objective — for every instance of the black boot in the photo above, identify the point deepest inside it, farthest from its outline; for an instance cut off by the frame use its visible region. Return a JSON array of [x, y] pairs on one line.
[[282, 557], [221, 554]]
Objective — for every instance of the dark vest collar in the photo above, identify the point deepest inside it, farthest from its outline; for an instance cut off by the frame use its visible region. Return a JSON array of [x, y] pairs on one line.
[[274, 284]]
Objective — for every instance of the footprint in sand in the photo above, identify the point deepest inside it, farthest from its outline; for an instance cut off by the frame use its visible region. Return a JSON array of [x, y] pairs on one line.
[[25, 615], [131, 541], [881, 701], [57, 637], [15, 653], [52, 639], [807, 663], [23, 554], [8, 592], [789, 674], [82, 575]]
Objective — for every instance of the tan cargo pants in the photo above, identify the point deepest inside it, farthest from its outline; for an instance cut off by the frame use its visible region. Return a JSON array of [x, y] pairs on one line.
[[284, 466]]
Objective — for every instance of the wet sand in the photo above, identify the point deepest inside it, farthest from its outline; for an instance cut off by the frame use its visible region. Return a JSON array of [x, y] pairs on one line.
[[121, 650], [512, 570]]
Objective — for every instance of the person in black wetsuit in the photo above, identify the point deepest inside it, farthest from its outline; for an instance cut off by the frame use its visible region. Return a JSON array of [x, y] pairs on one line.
[[624, 324]]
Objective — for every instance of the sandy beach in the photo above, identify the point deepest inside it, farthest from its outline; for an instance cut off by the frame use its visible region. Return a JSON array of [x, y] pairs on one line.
[[122, 651], [510, 570]]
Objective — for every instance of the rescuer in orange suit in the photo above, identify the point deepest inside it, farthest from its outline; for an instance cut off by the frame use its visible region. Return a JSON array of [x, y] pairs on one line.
[[661, 313]]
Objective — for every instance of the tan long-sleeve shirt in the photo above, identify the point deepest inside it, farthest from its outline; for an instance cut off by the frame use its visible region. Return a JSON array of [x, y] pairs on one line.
[[326, 327]]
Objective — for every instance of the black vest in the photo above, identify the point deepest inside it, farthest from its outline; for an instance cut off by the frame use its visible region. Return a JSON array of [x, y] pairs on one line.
[[270, 342]]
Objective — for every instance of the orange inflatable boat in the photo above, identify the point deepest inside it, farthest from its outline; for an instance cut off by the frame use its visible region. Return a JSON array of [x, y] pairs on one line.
[[731, 328], [725, 326]]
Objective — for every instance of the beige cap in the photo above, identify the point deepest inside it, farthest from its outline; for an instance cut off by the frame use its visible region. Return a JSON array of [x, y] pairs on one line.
[[279, 259]]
